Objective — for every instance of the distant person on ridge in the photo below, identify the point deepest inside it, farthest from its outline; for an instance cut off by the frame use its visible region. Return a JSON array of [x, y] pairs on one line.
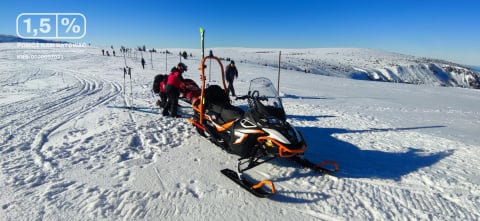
[[172, 89], [143, 63], [231, 73]]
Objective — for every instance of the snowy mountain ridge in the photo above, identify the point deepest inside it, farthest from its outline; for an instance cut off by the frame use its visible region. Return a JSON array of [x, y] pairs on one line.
[[355, 63], [13, 39], [364, 64]]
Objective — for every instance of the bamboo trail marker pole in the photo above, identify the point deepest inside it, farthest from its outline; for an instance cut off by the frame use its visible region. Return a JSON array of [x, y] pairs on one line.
[[278, 79], [124, 74], [131, 87]]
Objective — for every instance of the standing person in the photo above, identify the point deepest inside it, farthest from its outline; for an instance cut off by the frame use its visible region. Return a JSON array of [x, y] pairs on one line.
[[231, 73], [172, 88], [143, 63]]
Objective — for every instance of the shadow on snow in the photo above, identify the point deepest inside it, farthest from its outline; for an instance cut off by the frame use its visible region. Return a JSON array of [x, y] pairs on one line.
[[307, 118], [357, 163], [353, 161], [292, 96]]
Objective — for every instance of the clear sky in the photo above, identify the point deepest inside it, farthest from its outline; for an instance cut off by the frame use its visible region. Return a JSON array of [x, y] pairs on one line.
[[439, 29]]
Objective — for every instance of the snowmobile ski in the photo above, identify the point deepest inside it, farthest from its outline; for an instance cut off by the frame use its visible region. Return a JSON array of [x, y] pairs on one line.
[[255, 189], [319, 168]]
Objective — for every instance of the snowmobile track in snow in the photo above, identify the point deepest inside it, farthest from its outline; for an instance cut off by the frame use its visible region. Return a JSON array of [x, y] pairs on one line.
[[32, 123]]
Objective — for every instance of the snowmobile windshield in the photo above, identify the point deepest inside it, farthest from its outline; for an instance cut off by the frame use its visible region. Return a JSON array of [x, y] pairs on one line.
[[266, 100]]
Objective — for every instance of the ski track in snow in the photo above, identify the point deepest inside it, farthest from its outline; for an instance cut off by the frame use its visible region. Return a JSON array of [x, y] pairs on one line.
[[70, 149]]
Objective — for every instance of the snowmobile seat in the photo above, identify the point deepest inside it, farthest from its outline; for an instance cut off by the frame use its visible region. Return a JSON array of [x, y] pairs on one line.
[[217, 101], [214, 94], [227, 112]]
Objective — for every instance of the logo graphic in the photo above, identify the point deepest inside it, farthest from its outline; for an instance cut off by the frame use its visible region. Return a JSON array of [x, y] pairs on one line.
[[51, 25]]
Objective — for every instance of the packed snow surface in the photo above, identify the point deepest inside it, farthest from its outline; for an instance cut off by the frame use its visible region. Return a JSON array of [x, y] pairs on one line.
[[70, 149]]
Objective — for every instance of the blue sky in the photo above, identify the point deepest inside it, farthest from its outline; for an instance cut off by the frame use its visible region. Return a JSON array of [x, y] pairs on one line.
[[439, 29]]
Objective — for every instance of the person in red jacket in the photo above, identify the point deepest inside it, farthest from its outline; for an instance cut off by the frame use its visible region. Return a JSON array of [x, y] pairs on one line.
[[172, 88]]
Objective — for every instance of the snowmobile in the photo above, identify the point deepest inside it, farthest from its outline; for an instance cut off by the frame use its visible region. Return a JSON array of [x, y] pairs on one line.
[[257, 135]]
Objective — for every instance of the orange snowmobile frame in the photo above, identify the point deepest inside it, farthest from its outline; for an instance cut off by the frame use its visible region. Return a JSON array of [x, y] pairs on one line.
[[201, 100]]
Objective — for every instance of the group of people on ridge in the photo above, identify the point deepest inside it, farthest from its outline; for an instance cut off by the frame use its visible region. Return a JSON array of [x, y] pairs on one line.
[[175, 83]]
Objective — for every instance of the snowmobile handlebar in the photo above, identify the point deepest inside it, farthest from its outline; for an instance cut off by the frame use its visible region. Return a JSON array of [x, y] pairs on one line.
[[251, 97]]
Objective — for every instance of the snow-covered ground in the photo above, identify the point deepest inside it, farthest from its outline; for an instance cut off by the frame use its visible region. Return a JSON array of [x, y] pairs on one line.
[[70, 150]]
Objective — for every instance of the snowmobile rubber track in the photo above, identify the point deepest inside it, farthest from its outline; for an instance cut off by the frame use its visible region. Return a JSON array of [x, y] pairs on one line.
[[319, 168], [250, 187]]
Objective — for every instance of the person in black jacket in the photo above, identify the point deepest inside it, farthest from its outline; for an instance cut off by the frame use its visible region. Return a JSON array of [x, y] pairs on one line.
[[231, 73], [143, 63]]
